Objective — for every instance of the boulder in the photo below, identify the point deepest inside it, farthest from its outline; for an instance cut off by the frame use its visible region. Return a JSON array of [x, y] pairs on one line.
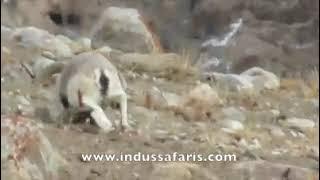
[[26, 152], [34, 38], [300, 123], [232, 82], [261, 79], [39, 64], [77, 45], [252, 80], [31, 37], [124, 29]]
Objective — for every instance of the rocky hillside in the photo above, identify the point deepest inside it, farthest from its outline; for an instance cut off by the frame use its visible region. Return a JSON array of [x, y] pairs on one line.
[[202, 76]]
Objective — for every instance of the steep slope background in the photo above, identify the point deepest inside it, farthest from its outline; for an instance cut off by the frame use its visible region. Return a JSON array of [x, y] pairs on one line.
[[203, 76]]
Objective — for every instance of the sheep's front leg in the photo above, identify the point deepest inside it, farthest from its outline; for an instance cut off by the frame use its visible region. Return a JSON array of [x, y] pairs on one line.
[[121, 98], [98, 115], [124, 111]]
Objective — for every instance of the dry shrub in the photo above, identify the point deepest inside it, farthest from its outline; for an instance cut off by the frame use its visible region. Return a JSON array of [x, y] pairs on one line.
[[194, 110], [154, 101], [290, 83], [246, 99], [165, 65], [198, 104], [307, 85], [313, 83]]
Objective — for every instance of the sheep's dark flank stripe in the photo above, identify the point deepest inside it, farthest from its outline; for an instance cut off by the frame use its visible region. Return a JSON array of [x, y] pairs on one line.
[[104, 82], [64, 101]]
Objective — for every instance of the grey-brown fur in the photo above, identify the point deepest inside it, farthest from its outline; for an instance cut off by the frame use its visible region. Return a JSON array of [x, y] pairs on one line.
[[91, 75]]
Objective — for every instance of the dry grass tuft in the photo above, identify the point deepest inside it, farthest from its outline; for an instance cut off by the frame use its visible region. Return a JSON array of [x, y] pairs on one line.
[[166, 65], [198, 104], [306, 85]]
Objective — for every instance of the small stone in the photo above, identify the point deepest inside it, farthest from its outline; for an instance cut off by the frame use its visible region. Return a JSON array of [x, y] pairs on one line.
[[10, 93], [145, 76], [268, 104], [85, 42], [232, 82], [48, 54], [276, 152], [234, 113], [105, 50], [275, 112], [300, 123], [172, 99], [232, 124], [81, 45], [6, 50], [255, 144], [261, 79], [277, 132], [294, 134], [243, 142], [40, 64], [23, 100]]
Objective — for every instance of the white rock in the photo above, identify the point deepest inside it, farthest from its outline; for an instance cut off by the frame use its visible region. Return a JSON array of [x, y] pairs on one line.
[[40, 63], [64, 39], [23, 100], [275, 112], [243, 143], [276, 131], [31, 37], [300, 123], [85, 42], [261, 79], [172, 99], [294, 134], [105, 50], [125, 19], [255, 144], [232, 124], [255, 79], [48, 54], [80, 45], [232, 82], [59, 48], [233, 113], [6, 50]]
